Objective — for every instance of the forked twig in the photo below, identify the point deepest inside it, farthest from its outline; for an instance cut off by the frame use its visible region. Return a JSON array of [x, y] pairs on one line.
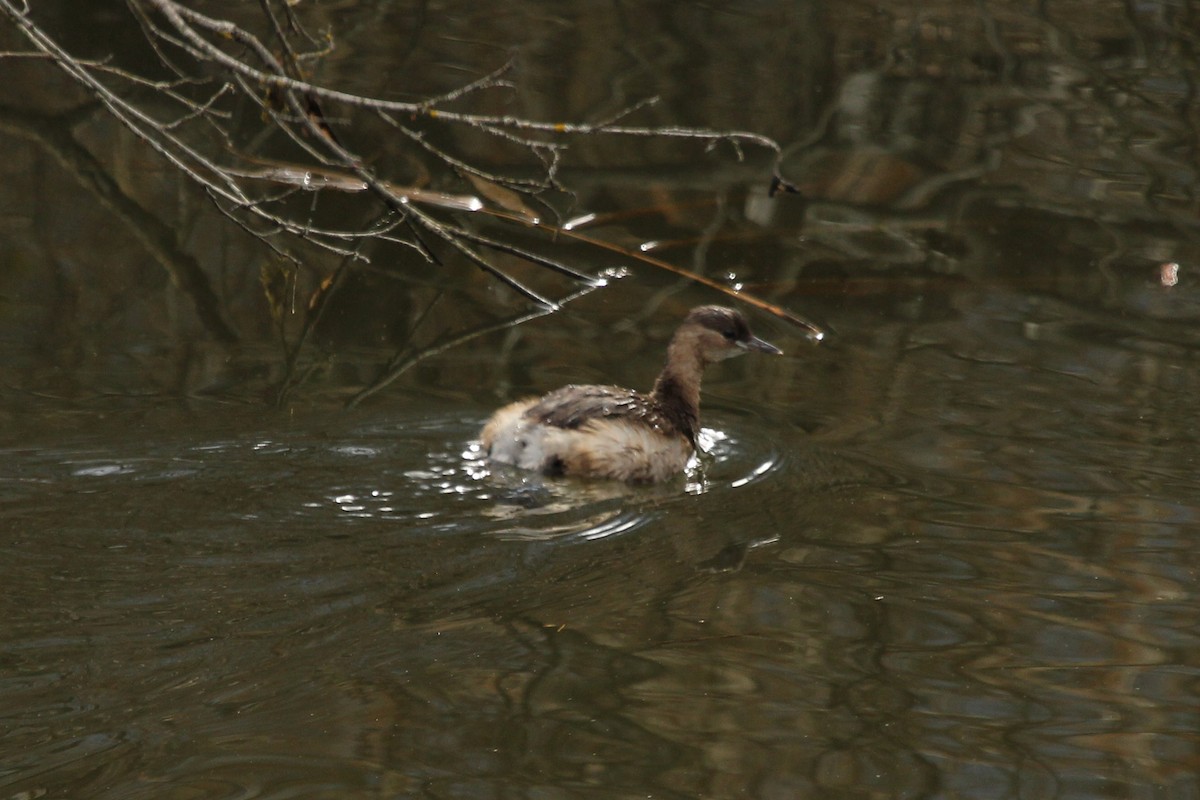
[[403, 363]]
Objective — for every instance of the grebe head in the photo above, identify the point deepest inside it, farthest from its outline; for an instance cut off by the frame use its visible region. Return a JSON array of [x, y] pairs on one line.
[[717, 333]]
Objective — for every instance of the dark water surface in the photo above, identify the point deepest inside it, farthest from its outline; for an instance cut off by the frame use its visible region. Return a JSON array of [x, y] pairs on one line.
[[951, 552]]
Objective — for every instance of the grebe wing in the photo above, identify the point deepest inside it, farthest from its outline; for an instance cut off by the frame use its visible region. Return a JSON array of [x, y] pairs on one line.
[[573, 406]]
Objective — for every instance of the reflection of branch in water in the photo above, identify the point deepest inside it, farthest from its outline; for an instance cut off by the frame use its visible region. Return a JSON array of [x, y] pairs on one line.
[[53, 135]]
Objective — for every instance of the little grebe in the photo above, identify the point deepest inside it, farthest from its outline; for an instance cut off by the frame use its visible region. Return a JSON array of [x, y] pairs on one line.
[[610, 432]]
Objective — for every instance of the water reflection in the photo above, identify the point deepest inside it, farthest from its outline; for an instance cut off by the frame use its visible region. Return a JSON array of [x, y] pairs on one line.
[[863, 635]]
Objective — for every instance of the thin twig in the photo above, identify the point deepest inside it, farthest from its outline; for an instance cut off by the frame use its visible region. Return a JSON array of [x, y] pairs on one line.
[[179, 16], [399, 365]]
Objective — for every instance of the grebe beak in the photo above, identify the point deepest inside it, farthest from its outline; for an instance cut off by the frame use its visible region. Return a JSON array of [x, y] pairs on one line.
[[755, 343]]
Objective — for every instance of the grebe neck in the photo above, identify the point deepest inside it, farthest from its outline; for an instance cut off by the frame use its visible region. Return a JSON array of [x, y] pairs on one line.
[[677, 390]]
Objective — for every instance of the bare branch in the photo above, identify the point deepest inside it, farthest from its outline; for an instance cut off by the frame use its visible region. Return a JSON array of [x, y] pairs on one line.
[[210, 60], [403, 363], [181, 16]]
